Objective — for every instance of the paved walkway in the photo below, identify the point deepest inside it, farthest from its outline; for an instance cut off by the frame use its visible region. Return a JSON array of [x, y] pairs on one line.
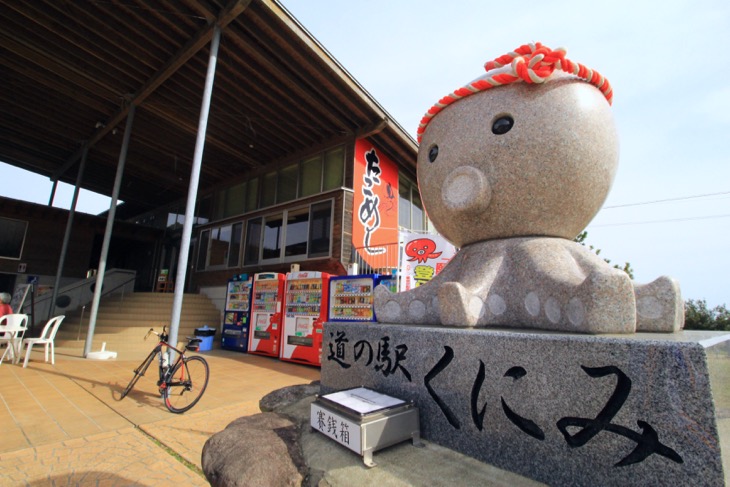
[[63, 424]]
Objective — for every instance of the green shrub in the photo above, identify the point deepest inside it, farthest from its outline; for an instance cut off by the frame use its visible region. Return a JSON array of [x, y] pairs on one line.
[[698, 316]]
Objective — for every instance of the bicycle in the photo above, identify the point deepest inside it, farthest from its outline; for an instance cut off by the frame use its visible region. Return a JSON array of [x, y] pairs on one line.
[[182, 384]]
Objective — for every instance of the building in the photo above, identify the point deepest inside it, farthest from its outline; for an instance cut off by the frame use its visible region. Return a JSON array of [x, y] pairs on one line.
[[300, 165]]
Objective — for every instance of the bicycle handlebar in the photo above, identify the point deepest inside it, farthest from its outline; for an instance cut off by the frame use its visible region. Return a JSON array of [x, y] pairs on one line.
[[153, 332]]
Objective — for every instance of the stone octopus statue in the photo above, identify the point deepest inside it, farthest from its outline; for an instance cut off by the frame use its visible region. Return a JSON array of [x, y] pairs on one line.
[[511, 168]]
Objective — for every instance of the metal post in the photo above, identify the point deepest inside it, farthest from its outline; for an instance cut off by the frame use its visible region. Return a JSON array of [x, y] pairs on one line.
[[69, 225], [182, 262], [108, 232], [53, 192]]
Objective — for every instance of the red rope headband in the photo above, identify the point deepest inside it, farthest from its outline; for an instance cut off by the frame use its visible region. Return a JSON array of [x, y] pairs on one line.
[[531, 63]]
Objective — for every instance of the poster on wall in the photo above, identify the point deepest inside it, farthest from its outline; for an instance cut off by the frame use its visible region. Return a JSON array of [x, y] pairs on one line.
[[424, 256], [375, 219]]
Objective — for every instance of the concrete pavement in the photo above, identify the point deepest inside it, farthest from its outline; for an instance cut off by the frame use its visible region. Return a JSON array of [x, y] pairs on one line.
[[64, 425]]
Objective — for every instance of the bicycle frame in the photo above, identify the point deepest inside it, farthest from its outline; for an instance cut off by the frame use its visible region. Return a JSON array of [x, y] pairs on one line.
[[167, 383], [164, 371]]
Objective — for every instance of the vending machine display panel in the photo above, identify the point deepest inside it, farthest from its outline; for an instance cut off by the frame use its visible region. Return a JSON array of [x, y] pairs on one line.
[[237, 313], [351, 298], [306, 311], [266, 314]]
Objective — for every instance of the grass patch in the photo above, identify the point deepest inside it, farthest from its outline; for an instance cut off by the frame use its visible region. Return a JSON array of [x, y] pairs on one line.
[[174, 454]]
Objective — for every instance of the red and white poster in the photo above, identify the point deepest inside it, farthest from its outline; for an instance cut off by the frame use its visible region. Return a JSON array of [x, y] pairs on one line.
[[375, 219], [424, 256]]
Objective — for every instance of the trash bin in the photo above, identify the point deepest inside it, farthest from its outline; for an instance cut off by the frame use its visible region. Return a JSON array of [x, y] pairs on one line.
[[205, 334]]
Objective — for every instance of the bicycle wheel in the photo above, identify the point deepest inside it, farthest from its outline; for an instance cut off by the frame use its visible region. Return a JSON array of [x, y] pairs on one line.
[[187, 384], [138, 372]]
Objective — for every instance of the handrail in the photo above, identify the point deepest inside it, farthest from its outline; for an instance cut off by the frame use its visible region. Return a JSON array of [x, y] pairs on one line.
[[80, 293], [122, 285], [71, 287]]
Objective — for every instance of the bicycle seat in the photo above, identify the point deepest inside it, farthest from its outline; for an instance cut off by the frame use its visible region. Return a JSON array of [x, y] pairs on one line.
[[193, 344]]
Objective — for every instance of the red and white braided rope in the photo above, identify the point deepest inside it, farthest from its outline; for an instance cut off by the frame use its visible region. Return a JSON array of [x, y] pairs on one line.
[[531, 63]]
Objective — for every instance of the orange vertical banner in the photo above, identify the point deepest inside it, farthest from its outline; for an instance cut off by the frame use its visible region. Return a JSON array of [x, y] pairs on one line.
[[375, 219]]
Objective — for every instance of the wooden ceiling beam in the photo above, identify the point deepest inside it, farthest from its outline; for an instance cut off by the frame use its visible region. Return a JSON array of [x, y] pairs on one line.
[[195, 44]]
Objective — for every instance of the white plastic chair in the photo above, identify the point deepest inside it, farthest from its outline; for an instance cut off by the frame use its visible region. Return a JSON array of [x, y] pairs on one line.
[[46, 339], [12, 329]]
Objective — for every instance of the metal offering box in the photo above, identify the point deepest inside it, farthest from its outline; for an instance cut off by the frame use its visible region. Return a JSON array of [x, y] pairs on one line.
[[365, 420]]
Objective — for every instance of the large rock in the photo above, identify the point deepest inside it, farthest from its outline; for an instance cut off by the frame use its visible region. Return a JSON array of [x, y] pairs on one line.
[[281, 399], [262, 449], [232, 457]]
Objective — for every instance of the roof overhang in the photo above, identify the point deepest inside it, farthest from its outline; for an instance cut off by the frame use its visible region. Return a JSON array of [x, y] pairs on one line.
[[72, 69]]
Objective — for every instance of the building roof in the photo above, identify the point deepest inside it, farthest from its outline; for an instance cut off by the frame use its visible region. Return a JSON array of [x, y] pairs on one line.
[[71, 69]]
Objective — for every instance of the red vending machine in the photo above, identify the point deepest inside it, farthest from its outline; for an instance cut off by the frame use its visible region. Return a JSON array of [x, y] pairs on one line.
[[266, 313], [306, 311]]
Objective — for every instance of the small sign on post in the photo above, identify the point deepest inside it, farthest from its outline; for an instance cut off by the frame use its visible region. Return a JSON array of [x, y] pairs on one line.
[[365, 421], [21, 291]]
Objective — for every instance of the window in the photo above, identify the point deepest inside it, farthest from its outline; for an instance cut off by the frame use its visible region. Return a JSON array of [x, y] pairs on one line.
[[311, 176], [297, 226], [418, 216], [220, 247], [230, 201], [286, 185], [203, 249], [220, 241], [316, 174], [273, 228], [268, 191], [252, 194], [334, 167], [234, 251], [410, 207], [175, 218], [12, 238], [319, 229], [404, 203], [253, 242], [289, 236], [204, 212], [235, 200], [220, 204]]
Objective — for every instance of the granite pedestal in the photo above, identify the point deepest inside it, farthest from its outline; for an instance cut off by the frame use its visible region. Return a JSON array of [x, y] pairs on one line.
[[647, 409]]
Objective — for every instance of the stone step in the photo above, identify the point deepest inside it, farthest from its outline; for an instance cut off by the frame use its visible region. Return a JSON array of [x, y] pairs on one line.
[[122, 322], [137, 318]]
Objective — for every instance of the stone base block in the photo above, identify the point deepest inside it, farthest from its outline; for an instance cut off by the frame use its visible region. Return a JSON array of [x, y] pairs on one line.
[[649, 409]]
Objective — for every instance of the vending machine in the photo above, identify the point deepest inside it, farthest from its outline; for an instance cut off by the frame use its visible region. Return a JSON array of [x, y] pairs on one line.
[[351, 297], [266, 313], [305, 312], [237, 313]]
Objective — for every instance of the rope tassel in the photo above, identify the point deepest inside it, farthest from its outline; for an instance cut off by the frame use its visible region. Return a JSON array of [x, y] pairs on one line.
[[531, 63]]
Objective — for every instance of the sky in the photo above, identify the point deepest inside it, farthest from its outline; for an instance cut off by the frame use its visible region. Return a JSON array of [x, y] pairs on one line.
[[671, 83], [668, 212]]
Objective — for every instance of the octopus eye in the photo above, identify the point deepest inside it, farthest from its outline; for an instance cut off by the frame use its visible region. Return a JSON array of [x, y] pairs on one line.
[[502, 125], [433, 153]]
